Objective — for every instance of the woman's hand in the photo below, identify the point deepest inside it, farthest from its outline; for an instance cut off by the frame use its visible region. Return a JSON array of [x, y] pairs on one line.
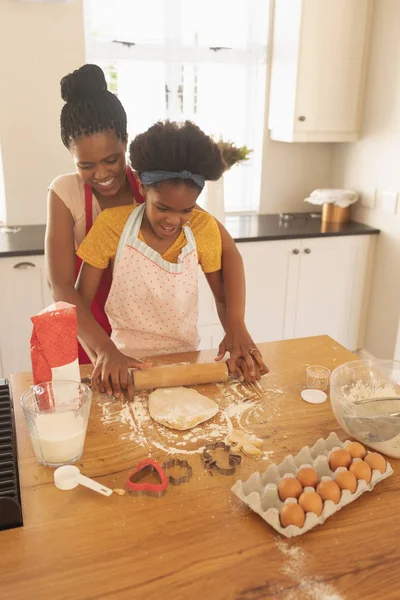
[[111, 373], [245, 359]]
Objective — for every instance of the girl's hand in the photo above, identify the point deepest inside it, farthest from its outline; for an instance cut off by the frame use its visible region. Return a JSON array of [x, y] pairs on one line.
[[245, 359], [111, 373]]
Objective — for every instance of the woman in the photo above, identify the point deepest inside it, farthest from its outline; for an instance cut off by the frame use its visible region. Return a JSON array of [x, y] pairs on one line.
[[94, 129]]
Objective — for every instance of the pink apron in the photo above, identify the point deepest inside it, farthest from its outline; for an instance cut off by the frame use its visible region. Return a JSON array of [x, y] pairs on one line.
[[153, 304]]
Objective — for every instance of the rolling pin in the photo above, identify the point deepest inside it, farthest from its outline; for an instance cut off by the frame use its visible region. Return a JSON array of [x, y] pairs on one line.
[[177, 375]]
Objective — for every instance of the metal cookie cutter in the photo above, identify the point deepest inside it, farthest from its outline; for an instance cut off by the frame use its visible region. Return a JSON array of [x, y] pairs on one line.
[[211, 463], [137, 486], [183, 464]]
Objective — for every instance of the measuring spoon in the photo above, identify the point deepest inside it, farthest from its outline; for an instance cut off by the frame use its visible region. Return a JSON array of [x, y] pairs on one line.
[[69, 477]]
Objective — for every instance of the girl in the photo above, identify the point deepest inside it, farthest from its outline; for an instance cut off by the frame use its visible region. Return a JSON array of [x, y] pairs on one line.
[[155, 248]]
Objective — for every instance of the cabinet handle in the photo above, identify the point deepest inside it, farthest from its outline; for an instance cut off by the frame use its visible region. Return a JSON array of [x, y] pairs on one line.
[[295, 251], [24, 265], [307, 251], [302, 118]]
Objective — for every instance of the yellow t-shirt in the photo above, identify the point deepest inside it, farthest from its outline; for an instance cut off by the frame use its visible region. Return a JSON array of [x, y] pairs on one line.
[[100, 245]]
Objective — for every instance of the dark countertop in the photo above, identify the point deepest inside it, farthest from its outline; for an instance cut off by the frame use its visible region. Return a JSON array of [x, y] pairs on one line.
[[29, 240], [253, 228]]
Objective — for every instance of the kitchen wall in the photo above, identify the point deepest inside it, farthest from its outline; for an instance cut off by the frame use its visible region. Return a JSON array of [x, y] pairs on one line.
[[291, 172], [373, 163], [39, 43]]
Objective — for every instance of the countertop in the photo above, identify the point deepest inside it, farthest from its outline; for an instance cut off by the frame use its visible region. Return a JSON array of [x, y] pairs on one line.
[[252, 228], [198, 541], [29, 239]]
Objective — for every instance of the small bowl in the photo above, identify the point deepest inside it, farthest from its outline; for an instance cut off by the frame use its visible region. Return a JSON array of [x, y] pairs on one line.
[[365, 399]]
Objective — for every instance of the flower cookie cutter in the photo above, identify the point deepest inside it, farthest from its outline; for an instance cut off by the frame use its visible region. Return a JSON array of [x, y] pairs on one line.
[[182, 464], [137, 486], [211, 463]]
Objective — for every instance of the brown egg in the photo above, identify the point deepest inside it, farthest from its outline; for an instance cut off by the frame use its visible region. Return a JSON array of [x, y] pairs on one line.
[[346, 481], [376, 461], [289, 487], [361, 470], [311, 502], [339, 458], [292, 514], [329, 490], [308, 477], [356, 449]]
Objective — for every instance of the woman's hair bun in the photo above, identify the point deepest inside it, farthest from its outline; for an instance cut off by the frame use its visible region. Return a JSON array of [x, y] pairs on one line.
[[87, 81]]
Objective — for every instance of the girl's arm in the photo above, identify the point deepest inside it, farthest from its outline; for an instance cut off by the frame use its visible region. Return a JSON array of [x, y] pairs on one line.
[[237, 340], [245, 359], [111, 365]]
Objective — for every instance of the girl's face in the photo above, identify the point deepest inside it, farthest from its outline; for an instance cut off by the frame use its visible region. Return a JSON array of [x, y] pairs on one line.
[[100, 161], [169, 206]]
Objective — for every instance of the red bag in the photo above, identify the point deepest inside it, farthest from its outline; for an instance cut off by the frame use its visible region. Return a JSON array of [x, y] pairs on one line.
[[54, 344]]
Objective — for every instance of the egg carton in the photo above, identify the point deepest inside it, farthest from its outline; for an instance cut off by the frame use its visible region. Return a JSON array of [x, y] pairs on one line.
[[260, 491]]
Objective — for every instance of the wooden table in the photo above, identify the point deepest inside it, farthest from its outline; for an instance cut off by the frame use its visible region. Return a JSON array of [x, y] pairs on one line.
[[198, 541]]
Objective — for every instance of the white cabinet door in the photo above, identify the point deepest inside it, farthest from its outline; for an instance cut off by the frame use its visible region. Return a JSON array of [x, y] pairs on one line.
[[23, 294], [299, 288], [266, 267], [318, 69], [327, 291]]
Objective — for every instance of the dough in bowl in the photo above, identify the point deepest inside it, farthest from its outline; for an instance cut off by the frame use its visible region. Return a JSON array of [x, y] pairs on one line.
[[180, 408]]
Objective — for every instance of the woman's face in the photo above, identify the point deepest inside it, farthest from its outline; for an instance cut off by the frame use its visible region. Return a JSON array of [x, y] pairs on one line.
[[169, 206], [100, 161]]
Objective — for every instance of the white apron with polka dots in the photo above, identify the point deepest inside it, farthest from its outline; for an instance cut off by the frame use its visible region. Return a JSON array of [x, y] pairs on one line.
[[153, 304]]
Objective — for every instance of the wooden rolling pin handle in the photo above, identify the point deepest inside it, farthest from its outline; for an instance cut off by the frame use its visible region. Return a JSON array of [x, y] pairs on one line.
[[176, 375]]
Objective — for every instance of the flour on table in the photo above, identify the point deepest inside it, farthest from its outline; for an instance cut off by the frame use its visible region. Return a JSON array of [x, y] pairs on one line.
[[180, 408], [240, 407], [305, 587]]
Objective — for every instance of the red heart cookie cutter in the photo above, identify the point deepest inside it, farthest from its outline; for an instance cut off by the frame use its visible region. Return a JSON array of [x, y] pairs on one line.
[[137, 486]]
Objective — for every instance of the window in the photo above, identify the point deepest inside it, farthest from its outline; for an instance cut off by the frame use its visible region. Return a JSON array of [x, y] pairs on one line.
[[189, 59]]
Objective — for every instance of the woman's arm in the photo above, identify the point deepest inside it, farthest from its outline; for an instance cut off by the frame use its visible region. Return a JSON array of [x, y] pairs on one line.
[[60, 263], [60, 259]]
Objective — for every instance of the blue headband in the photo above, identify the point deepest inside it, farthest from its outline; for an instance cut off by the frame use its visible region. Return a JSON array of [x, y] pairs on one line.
[[149, 177]]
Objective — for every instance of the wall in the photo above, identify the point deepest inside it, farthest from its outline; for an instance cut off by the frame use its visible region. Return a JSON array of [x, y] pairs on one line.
[[291, 172], [373, 163], [39, 43]]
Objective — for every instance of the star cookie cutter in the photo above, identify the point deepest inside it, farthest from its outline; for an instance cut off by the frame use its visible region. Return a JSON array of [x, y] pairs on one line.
[[137, 486], [182, 464], [212, 464]]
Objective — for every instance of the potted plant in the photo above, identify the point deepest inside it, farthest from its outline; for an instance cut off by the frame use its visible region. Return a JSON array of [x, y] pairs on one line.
[[215, 198]]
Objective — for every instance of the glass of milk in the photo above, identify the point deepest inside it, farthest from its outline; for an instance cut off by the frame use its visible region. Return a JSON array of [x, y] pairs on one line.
[[57, 414]]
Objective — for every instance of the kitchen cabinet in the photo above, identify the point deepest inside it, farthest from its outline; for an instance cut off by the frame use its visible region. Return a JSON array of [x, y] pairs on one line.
[[328, 287], [300, 288], [319, 56], [24, 292], [266, 268]]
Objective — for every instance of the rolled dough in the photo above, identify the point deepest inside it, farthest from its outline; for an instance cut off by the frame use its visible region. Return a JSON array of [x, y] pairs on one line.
[[180, 408]]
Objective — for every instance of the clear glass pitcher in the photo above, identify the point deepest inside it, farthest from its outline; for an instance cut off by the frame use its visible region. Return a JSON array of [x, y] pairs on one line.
[[57, 414]]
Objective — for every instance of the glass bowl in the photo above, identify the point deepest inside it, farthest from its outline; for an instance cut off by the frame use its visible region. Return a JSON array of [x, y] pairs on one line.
[[365, 399]]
